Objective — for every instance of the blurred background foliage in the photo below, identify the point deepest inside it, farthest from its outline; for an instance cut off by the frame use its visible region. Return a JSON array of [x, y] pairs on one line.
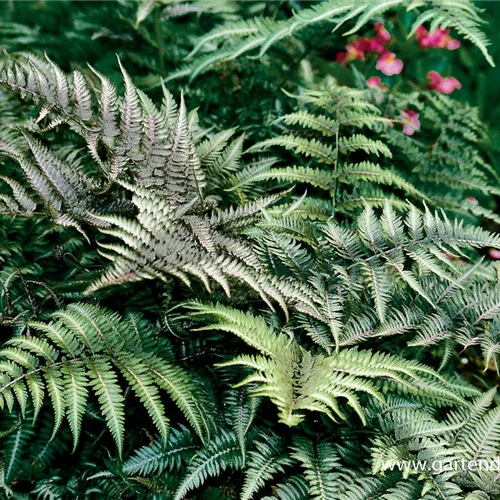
[[482, 82], [154, 38], [74, 33]]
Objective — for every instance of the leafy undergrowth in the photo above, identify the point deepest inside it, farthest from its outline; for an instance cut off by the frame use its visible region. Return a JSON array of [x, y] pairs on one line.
[[248, 251]]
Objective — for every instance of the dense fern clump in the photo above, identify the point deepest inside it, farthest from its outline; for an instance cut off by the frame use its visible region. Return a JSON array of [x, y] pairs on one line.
[[236, 263]]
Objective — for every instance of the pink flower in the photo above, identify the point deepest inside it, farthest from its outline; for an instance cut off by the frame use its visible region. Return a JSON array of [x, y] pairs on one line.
[[421, 33], [376, 82], [453, 44], [472, 200], [434, 78], [355, 50], [438, 38], [410, 120], [383, 36], [374, 45], [341, 57], [389, 65], [448, 85], [444, 85], [494, 254]]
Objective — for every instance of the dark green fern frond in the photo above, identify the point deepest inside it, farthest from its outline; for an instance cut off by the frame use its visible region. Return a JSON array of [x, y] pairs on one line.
[[319, 462], [429, 240], [267, 460], [335, 117], [83, 350], [293, 488], [221, 454], [159, 457]]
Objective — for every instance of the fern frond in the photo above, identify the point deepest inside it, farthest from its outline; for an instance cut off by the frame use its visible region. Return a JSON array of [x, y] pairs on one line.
[[266, 460], [87, 347], [319, 462], [221, 454], [297, 380], [261, 34], [159, 457]]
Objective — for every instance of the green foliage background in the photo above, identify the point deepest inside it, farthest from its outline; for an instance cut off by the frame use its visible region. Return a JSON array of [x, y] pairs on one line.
[[225, 271]]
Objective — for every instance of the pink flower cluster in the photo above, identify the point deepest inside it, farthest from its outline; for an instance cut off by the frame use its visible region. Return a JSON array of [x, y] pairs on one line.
[[389, 64], [387, 61], [438, 39], [358, 48], [444, 85]]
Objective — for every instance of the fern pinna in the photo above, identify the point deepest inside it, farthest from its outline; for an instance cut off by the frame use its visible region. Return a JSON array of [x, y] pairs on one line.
[[278, 284]]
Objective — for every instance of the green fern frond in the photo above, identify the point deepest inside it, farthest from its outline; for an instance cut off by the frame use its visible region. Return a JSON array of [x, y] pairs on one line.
[[159, 457], [319, 462], [294, 488], [261, 34], [266, 460], [221, 454], [86, 348], [297, 380]]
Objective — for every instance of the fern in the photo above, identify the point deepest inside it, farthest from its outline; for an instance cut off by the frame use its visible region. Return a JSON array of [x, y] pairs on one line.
[[169, 186], [222, 454], [157, 458], [333, 119], [168, 241], [86, 348], [266, 461], [184, 271], [451, 156], [373, 263], [157, 142], [340, 108], [318, 462], [296, 380], [260, 35]]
